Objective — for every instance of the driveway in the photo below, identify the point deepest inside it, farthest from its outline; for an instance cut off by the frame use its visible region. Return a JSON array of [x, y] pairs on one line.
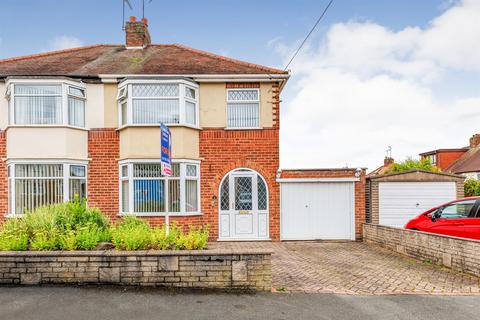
[[357, 268]]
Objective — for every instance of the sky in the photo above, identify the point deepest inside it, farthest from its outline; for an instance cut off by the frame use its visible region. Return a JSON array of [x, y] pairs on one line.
[[375, 73]]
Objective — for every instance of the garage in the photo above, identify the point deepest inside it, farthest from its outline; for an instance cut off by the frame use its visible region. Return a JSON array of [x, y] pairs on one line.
[[318, 208], [401, 201], [393, 199]]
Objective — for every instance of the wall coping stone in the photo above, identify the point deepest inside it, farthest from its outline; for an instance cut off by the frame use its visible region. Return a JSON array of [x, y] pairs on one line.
[[379, 226], [136, 253]]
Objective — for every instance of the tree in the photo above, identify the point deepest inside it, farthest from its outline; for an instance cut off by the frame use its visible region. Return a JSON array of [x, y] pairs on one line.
[[411, 164], [472, 188]]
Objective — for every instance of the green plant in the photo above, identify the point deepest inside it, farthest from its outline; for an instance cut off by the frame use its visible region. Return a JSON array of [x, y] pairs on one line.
[[132, 234], [162, 241], [74, 226], [13, 236], [411, 164], [45, 240], [88, 236], [67, 240], [472, 188], [195, 239]]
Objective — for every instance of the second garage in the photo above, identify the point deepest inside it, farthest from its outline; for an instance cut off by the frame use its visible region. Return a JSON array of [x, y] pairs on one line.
[[393, 199]]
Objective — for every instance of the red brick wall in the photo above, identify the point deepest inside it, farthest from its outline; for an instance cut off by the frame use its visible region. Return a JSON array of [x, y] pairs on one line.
[[360, 217], [446, 158], [3, 176], [223, 151], [103, 152]]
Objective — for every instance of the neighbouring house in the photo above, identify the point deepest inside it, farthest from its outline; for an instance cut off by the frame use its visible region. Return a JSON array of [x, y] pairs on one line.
[[85, 121], [387, 165], [464, 161], [443, 158]]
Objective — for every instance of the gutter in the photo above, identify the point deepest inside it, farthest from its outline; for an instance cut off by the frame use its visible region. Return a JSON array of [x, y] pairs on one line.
[[283, 78]]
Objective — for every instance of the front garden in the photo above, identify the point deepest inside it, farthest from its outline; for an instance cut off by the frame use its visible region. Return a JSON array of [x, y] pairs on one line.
[[74, 226]]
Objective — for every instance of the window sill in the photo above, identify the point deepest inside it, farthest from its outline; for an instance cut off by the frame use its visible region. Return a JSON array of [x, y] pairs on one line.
[[45, 126], [13, 216], [161, 214], [250, 128], [157, 126]]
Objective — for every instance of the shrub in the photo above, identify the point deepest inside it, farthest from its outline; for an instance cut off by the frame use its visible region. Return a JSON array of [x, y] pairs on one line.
[[472, 188], [196, 238], [88, 236], [65, 226], [162, 241], [14, 236], [411, 164], [132, 234], [67, 240], [74, 226], [45, 240]]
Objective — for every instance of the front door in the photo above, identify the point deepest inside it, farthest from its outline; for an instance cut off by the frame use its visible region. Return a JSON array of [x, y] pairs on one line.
[[243, 206]]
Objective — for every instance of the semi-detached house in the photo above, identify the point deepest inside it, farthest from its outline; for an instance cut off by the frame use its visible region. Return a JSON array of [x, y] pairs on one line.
[[85, 121]]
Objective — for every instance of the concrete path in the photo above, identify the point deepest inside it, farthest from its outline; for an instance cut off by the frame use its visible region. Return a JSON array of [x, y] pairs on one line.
[[357, 268], [72, 303]]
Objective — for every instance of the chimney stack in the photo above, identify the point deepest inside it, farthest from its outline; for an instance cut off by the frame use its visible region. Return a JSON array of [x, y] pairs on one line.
[[388, 161], [137, 35], [475, 140]]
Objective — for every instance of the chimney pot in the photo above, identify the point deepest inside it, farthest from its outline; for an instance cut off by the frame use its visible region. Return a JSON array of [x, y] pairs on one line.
[[145, 21], [133, 18]]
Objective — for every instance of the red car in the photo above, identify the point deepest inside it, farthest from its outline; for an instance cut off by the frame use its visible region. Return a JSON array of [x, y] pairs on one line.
[[458, 218]]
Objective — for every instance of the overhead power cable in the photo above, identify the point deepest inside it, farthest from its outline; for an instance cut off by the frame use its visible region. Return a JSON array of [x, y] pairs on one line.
[[308, 35]]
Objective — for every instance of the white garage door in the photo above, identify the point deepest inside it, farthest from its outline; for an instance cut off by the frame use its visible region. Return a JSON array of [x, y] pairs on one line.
[[317, 210], [401, 201]]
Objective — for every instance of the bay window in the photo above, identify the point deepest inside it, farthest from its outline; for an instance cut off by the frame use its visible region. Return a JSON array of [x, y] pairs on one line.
[[145, 191], [51, 102], [32, 185], [149, 102], [243, 108]]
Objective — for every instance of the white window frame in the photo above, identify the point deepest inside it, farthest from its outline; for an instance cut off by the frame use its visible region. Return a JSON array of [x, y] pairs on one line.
[[125, 93], [183, 163], [66, 179], [228, 101], [10, 95]]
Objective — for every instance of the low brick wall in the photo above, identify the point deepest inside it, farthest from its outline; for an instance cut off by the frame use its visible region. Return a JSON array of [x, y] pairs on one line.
[[456, 253], [248, 269]]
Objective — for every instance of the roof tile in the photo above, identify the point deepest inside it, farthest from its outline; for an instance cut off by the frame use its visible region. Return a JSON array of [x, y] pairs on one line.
[[93, 60]]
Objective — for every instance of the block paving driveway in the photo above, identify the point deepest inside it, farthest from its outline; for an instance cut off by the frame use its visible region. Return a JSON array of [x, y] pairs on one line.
[[356, 268]]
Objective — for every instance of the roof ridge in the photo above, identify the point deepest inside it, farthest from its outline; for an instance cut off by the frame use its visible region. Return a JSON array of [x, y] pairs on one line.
[[209, 54], [48, 53]]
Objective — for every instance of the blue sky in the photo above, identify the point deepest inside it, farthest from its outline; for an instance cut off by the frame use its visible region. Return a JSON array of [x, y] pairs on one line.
[[375, 73], [242, 31]]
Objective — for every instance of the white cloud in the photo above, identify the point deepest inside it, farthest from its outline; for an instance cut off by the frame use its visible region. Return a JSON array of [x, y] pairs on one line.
[[64, 42], [452, 39], [366, 87]]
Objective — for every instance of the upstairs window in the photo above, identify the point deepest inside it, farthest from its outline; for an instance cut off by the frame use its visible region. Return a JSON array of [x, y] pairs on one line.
[[152, 102], [243, 108], [43, 103]]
